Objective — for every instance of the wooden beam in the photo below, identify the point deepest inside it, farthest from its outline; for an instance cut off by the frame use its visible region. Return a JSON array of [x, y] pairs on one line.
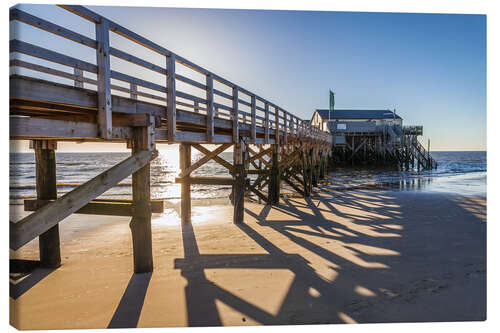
[[99, 207], [30, 128], [204, 159], [205, 180], [103, 80], [51, 214]]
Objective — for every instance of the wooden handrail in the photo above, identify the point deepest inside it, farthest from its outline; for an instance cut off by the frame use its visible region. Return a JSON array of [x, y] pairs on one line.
[[289, 126]]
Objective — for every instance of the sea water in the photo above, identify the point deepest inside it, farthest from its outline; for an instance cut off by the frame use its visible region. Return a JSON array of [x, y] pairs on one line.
[[457, 172]]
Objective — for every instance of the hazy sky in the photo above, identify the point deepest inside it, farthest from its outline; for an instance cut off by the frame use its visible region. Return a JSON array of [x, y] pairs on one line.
[[431, 68]]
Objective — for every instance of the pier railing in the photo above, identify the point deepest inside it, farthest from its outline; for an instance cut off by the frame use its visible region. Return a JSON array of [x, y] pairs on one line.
[[204, 91]]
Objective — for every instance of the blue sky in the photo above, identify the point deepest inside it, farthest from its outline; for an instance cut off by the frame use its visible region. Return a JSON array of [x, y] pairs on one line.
[[430, 67]]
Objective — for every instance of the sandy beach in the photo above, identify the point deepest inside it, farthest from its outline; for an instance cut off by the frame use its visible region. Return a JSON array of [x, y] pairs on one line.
[[359, 256]]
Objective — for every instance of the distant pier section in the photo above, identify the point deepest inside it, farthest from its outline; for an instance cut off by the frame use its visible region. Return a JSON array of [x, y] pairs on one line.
[[373, 138]]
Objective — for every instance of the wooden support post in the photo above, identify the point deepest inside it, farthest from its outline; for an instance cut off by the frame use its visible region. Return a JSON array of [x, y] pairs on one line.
[[140, 225], [305, 173], [275, 177], [184, 163], [104, 116], [171, 99], [210, 108], [239, 182], [313, 168], [45, 157]]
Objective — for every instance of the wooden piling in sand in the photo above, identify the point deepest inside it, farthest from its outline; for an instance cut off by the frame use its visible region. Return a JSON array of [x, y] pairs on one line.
[[239, 182], [46, 189], [184, 164], [140, 225]]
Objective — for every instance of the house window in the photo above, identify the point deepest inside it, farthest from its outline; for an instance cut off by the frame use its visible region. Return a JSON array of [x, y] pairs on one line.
[[341, 126]]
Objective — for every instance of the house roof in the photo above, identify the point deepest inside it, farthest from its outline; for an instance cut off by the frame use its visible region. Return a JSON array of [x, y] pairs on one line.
[[357, 114]]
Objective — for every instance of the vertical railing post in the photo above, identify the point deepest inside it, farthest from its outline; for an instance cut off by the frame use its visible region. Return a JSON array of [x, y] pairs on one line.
[[285, 128], [277, 125], [210, 107], [196, 106], [79, 77], [266, 124], [171, 99], [236, 133], [104, 114], [133, 91], [253, 128]]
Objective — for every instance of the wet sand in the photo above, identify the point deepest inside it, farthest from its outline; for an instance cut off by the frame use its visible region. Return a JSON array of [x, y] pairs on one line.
[[360, 256]]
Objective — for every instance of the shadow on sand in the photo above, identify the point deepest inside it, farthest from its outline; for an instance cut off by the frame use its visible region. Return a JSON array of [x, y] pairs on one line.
[[373, 267], [383, 255]]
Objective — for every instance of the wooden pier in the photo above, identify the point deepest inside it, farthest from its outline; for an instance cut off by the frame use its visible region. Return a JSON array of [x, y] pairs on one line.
[[271, 146], [381, 146]]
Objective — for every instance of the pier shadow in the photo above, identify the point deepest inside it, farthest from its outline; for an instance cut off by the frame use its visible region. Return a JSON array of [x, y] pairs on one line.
[[369, 264], [129, 309], [24, 275]]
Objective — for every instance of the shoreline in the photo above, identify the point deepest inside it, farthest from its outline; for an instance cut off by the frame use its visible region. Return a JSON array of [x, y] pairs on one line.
[[355, 256]]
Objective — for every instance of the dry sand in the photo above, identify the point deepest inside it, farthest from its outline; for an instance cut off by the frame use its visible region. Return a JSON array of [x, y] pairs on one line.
[[339, 257]]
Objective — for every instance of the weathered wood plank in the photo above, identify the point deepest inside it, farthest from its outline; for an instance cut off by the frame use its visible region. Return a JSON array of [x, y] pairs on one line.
[[51, 214], [205, 180], [25, 128], [99, 207], [19, 15]]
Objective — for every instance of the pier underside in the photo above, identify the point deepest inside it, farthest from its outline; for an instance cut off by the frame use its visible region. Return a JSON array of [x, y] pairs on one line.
[[380, 150]]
